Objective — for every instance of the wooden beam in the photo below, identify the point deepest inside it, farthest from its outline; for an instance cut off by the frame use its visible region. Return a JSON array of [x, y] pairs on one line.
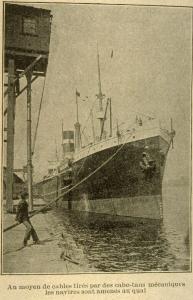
[[29, 68], [10, 135], [25, 88], [29, 141], [18, 170], [24, 53], [35, 77], [35, 73]]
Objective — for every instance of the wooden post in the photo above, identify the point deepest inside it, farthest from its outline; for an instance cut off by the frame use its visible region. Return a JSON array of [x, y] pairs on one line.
[[10, 135], [29, 141]]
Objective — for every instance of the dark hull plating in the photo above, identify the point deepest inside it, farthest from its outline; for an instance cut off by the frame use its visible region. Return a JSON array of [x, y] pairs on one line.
[[121, 187]]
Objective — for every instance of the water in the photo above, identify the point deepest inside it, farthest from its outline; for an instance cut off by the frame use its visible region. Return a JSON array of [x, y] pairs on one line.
[[110, 246]]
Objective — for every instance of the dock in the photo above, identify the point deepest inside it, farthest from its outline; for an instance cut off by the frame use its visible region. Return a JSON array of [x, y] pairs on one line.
[[56, 254]]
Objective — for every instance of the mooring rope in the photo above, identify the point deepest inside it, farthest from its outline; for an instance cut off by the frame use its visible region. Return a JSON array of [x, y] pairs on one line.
[[74, 186], [38, 120], [58, 190]]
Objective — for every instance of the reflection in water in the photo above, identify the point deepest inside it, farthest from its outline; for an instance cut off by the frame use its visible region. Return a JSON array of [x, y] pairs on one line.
[[112, 245], [119, 247]]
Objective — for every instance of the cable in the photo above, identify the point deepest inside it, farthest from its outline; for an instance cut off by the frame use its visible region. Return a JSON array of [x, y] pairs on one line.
[[64, 188], [35, 135], [75, 186]]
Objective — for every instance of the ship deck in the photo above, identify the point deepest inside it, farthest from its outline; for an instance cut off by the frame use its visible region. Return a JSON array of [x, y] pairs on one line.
[[129, 136]]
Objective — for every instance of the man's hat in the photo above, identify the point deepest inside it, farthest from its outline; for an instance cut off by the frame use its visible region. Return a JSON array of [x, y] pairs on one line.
[[24, 194]]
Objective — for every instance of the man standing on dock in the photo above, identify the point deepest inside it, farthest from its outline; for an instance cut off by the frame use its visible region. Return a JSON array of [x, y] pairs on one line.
[[23, 217]]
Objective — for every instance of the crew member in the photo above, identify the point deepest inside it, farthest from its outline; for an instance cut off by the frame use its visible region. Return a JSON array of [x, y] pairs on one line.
[[23, 217], [147, 165], [144, 163]]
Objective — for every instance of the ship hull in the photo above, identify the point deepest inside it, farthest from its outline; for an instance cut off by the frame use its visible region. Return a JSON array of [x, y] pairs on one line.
[[143, 207], [121, 187], [112, 181]]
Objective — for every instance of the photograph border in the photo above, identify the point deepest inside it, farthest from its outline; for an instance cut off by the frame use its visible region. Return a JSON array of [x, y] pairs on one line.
[[2, 136]]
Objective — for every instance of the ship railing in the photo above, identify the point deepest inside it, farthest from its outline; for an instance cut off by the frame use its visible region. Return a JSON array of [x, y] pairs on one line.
[[120, 138], [147, 125]]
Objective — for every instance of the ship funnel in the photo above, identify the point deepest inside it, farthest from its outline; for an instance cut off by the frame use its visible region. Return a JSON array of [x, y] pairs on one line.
[[68, 144]]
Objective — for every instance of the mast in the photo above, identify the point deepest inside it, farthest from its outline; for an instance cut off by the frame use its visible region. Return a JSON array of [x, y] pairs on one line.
[[62, 140], [77, 126], [56, 151], [92, 123], [110, 113], [118, 132], [103, 123], [100, 94], [77, 94]]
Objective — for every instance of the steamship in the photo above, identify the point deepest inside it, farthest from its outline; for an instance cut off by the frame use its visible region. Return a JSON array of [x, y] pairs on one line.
[[117, 174]]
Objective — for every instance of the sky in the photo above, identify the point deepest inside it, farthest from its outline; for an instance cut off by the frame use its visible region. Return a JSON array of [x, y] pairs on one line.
[[150, 73]]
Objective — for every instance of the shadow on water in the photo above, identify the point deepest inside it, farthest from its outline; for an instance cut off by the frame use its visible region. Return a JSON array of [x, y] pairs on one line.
[[115, 245]]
